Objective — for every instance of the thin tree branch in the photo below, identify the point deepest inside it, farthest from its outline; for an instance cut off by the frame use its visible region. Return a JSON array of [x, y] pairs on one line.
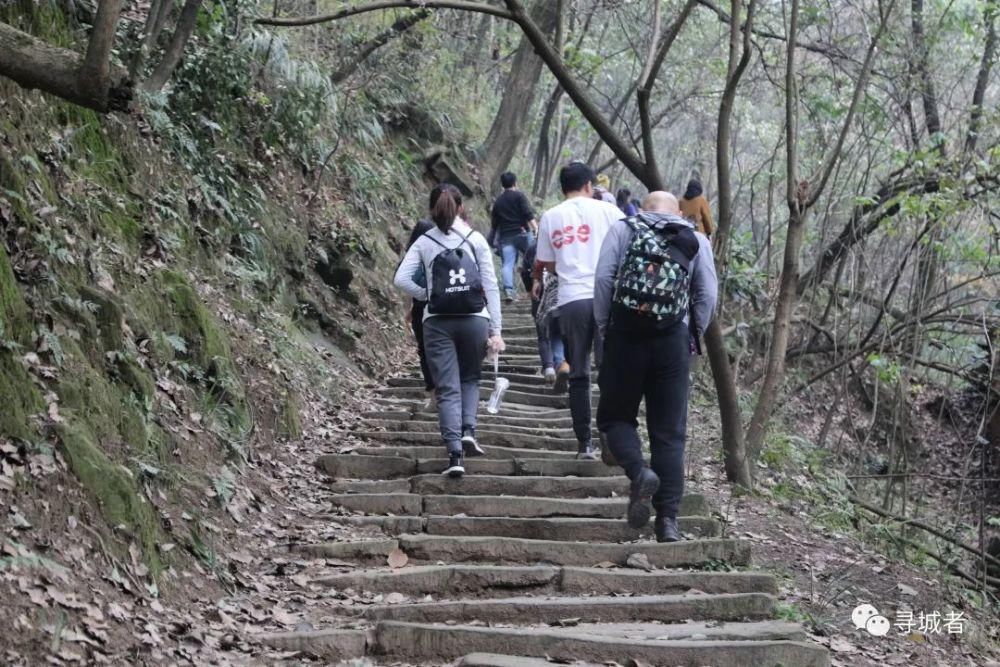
[[387, 4], [819, 184], [369, 47]]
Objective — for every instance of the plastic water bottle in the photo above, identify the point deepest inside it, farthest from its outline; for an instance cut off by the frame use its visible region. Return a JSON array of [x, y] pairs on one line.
[[499, 387]]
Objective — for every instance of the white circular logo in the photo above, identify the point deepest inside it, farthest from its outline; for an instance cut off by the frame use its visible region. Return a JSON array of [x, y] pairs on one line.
[[861, 614]]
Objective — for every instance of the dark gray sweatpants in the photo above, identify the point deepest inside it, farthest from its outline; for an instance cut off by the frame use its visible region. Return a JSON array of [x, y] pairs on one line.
[[455, 347], [579, 330]]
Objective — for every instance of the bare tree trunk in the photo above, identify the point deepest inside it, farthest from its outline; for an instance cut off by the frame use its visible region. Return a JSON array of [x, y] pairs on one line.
[[990, 13], [543, 150], [172, 55], [89, 80], [376, 42], [737, 468], [797, 195], [511, 123], [159, 10]]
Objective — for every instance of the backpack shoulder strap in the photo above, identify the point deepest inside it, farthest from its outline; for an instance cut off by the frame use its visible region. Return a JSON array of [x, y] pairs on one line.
[[472, 247], [427, 234]]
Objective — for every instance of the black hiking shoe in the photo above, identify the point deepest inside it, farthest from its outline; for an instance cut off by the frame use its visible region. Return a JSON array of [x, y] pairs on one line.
[[469, 444], [666, 529], [640, 494], [586, 452], [456, 465]]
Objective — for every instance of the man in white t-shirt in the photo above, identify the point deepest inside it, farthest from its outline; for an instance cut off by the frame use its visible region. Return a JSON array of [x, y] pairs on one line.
[[569, 244]]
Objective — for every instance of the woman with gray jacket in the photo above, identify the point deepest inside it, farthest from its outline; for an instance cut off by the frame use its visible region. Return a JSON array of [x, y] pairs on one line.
[[461, 321]]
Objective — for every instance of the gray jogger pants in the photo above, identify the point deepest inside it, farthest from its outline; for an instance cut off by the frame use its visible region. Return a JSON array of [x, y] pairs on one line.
[[455, 347]]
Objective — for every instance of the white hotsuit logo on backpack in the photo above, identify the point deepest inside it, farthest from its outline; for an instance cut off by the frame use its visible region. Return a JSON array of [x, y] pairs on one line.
[[457, 276]]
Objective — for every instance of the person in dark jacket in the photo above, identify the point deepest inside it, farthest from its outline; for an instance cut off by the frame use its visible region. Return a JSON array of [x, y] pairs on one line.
[[624, 202], [512, 229], [649, 358]]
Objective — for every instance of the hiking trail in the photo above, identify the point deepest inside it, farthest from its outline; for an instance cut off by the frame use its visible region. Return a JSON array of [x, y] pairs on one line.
[[527, 558]]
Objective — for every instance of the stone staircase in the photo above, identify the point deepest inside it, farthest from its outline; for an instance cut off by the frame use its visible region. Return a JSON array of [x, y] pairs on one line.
[[526, 559]]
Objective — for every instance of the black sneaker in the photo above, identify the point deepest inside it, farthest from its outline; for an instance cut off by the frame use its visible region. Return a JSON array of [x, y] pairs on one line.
[[456, 465], [640, 494], [469, 444], [586, 452], [666, 530]]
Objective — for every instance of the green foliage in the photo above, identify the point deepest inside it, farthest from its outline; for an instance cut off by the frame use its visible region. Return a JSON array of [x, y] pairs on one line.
[[114, 490]]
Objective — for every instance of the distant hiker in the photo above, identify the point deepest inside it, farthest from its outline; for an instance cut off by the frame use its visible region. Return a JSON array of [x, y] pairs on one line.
[[569, 245], [602, 189], [655, 289], [695, 208], [550, 347], [461, 320], [512, 228], [624, 202], [547, 320], [415, 316]]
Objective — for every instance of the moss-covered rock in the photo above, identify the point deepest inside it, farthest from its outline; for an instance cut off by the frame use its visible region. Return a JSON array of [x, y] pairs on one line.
[[108, 316], [112, 488], [18, 396], [205, 343], [136, 377], [104, 406]]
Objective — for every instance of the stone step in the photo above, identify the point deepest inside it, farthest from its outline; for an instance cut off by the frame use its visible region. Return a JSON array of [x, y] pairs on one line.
[[441, 642], [486, 438], [416, 406], [762, 644], [499, 485], [429, 424], [337, 644], [594, 609], [687, 553], [514, 395], [566, 529], [501, 581], [491, 485], [485, 389], [497, 660], [515, 378], [497, 506], [372, 466], [360, 550], [560, 421], [438, 450]]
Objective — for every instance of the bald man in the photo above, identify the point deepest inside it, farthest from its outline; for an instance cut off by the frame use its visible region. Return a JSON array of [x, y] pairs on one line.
[[655, 291]]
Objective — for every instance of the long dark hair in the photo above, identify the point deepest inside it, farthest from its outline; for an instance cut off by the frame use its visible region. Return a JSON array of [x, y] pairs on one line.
[[447, 207], [624, 195], [693, 189]]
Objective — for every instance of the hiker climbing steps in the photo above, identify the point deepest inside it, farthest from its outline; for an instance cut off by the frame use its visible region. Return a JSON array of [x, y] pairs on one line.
[[528, 556]]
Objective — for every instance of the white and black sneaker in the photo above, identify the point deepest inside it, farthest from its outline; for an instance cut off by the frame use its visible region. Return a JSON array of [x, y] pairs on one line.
[[469, 444], [586, 452], [456, 465]]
